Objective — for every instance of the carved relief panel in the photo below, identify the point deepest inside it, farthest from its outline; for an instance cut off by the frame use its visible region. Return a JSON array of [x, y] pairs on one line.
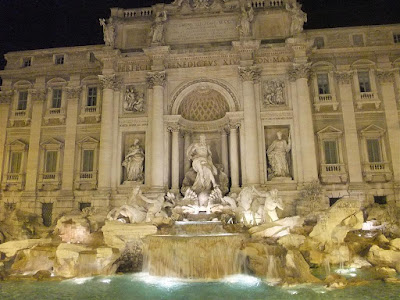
[[134, 99], [273, 93]]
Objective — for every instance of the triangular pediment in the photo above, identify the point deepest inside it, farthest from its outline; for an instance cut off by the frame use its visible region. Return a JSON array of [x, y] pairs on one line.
[[18, 142], [373, 129], [52, 141], [329, 130], [88, 140]]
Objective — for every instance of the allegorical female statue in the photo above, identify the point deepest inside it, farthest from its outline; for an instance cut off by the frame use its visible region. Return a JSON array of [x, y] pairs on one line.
[[108, 31], [246, 18], [158, 28], [202, 164], [134, 162], [278, 156]]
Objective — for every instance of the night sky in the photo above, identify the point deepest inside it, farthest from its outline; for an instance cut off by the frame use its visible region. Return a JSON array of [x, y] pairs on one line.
[[36, 24]]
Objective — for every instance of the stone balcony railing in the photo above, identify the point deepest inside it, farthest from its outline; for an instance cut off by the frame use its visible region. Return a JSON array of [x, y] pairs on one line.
[[49, 180], [364, 98], [268, 3], [90, 112], [138, 12], [13, 181], [54, 113], [325, 100], [377, 172], [333, 173], [20, 115], [86, 180]]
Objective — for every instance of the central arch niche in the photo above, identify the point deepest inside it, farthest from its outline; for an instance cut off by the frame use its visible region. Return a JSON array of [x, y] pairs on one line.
[[203, 104]]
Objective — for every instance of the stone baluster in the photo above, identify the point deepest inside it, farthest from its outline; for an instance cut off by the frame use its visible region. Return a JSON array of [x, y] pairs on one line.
[[156, 81], [106, 132], [249, 75], [38, 97], [345, 79], [5, 101], [73, 94], [224, 150], [386, 79], [175, 159], [234, 155], [299, 74]]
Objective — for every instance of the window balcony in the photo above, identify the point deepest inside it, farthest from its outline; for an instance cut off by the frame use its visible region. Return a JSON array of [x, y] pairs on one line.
[[367, 98], [325, 100], [14, 182], [20, 116], [49, 181], [333, 173], [90, 112], [377, 172], [86, 180], [54, 114]]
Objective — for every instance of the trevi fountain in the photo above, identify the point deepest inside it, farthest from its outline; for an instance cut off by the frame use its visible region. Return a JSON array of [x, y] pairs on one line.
[[180, 211]]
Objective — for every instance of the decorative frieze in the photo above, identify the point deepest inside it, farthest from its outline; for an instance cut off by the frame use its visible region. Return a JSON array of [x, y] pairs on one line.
[[299, 71], [6, 97], [385, 76], [73, 92], [38, 94], [156, 79], [344, 77], [107, 81], [249, 73], [273, 93]]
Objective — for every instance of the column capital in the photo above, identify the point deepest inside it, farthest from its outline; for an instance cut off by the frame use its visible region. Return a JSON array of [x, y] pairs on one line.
[[252, 73], [385, 76], [173, 127], [156, 79], [107, 81], [344, 77], [38, 95], [6, 97], [299, 71], [224, 130], [233, 126], [73, 92]]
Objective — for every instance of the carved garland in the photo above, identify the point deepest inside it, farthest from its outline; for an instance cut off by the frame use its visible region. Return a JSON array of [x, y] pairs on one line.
[[385, 76], [38, 94], [6, 97], [73, 92], [185, 86], [344, 77]]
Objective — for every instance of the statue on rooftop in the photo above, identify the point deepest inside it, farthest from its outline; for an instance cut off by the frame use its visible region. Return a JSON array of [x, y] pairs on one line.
[[158, 28], [246, 17], [298, 18], [108, 31]]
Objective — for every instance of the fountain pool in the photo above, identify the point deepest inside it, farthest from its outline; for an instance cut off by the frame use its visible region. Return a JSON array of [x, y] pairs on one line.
[[143, 286]]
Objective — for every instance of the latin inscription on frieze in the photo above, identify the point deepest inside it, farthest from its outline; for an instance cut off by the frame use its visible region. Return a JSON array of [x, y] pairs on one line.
[[204, 30]]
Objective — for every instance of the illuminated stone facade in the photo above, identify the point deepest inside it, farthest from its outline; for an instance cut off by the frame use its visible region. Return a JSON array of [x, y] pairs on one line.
[[238, 71]]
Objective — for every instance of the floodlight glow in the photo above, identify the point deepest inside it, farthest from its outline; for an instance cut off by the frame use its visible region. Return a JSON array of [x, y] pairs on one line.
[[243, 280]]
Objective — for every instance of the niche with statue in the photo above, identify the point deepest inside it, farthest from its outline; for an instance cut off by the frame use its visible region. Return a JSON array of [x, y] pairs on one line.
[[133, 160]]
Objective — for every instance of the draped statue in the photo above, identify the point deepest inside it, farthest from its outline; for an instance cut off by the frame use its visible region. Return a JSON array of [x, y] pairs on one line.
[[134, 162], [277, 156]]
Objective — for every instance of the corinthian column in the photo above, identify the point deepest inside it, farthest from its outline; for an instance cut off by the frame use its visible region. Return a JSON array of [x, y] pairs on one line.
[[299, 74], [224, 150], [73, 94], [156, 81], [5, 101], [345, 80], [234, 155], [175, 159], [386, 79], [248, 76], [106, 133], [38, 97]]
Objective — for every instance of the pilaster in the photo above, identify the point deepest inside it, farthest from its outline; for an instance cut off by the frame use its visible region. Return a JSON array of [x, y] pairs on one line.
[[5, 101], [175, 158], [234, 155]]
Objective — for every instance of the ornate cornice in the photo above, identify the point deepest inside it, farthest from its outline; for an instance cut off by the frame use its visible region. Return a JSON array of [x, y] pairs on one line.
[[250, 73], [156, 79], [73, 92], [6, 97], [299, 71], [344, 77], [107, 81], [385, 76], [38, 94]]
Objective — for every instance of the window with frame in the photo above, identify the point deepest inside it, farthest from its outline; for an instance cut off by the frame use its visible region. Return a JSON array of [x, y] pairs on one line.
[[92, 96], [323, 84], [26, 62], [56, 98], [88, 161], [22, 100], [396, 38], [364, 81], [331, 152], [15, 162], [358, 40], [51, 161], [374, 150], [59, 60], [319, 42]]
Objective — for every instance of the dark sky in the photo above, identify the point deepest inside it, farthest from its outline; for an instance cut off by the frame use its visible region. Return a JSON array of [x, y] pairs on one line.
[[35, 24]]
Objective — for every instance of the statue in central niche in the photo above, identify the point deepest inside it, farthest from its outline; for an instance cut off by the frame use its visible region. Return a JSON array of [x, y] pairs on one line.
[[200, 155], [277, 156]]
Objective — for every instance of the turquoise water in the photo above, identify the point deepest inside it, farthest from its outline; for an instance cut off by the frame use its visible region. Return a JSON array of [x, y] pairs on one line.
[[141, 286]]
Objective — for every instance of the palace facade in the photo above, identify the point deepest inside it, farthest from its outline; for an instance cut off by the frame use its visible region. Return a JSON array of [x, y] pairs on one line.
[[237, 71]]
